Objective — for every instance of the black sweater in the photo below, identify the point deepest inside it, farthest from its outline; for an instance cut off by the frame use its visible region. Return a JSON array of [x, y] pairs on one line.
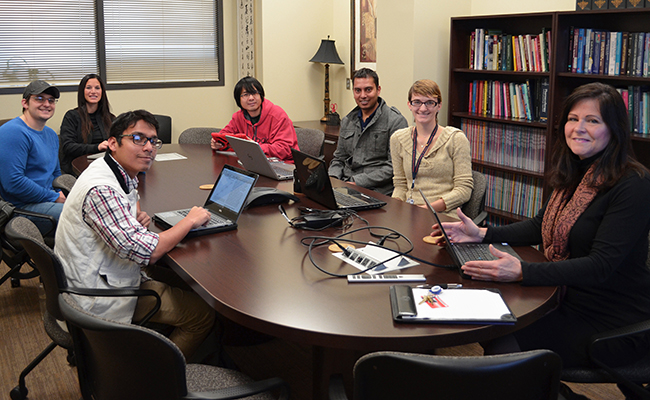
[[72, 144]]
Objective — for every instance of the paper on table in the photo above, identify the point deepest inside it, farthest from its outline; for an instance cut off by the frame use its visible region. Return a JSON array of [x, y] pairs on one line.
[[379, 254], [462, 305], [170, 156]]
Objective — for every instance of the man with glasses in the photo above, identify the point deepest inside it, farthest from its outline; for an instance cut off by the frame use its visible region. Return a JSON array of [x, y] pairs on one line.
[[29, 155], [103, 241], [362, 156], [260, 120]]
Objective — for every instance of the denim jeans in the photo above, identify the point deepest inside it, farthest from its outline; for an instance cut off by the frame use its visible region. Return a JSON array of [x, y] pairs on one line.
[[53, 209]]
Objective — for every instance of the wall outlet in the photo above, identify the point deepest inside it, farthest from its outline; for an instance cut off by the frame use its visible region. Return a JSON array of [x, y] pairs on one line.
[[347, 83]]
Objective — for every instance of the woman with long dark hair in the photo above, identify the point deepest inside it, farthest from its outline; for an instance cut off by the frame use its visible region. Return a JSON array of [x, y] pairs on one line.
[[84, 129]]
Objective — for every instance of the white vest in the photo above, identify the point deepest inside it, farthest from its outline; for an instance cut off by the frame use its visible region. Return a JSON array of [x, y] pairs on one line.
[[84, 254]]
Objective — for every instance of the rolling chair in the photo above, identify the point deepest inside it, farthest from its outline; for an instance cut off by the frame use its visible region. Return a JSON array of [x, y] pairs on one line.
[[165, 127], [532, 375], [197, 135], [22, 230], [146, 365], [631, 377], [475, 206], [311, 141], [13, 254]]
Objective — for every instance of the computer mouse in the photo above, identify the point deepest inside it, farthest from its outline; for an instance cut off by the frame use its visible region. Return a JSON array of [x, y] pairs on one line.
[[261, 196]]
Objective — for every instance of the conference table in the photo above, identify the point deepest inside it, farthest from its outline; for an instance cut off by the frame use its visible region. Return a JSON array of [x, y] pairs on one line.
[[260, 275]]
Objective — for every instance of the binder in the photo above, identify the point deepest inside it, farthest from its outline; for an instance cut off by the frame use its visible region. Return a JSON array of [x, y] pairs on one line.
[[453, 306]]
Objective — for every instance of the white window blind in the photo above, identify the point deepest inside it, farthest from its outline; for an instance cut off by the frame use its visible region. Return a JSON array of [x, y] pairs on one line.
[[160, 41], [54, 40]]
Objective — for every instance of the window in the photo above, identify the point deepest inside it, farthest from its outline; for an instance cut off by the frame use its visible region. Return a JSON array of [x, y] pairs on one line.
[[145, 43]]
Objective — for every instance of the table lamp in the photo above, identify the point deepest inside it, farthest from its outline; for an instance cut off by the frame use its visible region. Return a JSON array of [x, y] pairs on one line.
[[327, 55]]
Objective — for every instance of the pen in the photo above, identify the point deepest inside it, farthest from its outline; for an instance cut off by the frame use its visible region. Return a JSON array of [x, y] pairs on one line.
[[442, 285]]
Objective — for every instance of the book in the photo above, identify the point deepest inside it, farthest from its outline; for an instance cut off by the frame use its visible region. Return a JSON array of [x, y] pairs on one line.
[[583, 5], [589, 48], [602, 63], [611, 63], [624, 43], [572, 50], [581, 51], [599, 5], [543, 109], [634, 4], [596, 54], [616, 4], [617, 57]]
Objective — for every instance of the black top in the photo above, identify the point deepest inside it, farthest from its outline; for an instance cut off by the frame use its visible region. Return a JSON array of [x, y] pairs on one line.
[[72, 143], [606, 275]]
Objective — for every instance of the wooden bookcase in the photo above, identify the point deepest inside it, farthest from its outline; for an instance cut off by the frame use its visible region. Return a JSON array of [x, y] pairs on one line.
[[561, 82]]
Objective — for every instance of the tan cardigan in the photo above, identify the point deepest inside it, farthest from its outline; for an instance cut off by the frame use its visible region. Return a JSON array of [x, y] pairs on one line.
[[445, 171]]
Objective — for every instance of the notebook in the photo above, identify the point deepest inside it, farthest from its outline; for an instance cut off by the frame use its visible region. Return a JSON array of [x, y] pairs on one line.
[[315, 184], [225, 203], [463, 252], [253, 159]]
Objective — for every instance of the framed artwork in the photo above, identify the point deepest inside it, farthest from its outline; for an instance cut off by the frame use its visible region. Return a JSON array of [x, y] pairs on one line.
[[245, 38], [363, 42]]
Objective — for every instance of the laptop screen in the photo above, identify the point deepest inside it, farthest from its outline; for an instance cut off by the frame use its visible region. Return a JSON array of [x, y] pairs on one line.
[[230, 192]]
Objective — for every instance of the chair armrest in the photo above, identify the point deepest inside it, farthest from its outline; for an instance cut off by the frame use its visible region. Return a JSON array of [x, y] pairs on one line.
[[337, 389], [64, 183], [119, 293], [46, 217], [480, 218], [246, 390]]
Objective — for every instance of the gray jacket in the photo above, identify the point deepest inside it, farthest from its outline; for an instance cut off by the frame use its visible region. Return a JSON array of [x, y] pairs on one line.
[[364, 157]]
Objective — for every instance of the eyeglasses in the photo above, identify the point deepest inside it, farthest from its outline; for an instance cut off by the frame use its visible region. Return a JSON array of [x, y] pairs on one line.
[[142, 140], [428, 104], [41, 99], [246, 95]]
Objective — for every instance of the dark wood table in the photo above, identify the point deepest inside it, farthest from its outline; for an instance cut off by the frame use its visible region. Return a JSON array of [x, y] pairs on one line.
[[260, 275]]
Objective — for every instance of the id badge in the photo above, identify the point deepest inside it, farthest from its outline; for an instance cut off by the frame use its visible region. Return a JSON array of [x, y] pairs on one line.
[[410, 201]]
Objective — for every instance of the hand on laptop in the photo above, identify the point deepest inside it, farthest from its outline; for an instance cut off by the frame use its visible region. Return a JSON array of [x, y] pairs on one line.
[[465, 231], [506, 269], [198, 216]]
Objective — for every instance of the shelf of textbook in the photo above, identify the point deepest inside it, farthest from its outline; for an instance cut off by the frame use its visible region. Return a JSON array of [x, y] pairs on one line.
[[501, 133]]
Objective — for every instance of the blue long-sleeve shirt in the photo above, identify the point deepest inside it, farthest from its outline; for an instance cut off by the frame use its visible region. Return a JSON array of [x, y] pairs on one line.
[[29, 162]]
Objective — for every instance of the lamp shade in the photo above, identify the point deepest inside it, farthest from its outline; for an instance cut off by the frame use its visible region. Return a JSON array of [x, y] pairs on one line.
[[326, 53]]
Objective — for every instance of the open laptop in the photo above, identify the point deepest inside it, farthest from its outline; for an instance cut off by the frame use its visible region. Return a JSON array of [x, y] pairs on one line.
[[253, 159], [225, 203], [463, 252], [315, 184]]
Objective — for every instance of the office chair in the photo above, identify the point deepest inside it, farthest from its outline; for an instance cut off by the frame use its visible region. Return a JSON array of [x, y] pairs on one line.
[[631, 377], [197, 135], [532, 375], [474, 208], [49, 266], [164, 127], [147, 365], [311, 141], [13, 254]]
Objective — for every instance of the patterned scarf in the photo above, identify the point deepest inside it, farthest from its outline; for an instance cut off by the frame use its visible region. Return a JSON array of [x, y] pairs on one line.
[[561, 214]]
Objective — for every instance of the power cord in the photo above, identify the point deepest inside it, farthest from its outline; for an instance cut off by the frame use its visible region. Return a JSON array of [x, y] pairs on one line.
[[312, 219]]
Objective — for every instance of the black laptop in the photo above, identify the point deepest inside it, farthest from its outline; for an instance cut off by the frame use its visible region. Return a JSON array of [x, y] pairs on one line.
[[315, 184], [225, 203], [463, 252]]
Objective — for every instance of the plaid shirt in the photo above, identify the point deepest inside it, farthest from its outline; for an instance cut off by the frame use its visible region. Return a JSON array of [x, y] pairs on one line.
[[110, 215]]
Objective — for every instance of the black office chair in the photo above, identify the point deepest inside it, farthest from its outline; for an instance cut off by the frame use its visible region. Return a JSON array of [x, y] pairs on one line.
[[146, 365], [23, 231], [197, 135], [164, 127], [475, 206], [311, 141], [532, 375], [631, 377]]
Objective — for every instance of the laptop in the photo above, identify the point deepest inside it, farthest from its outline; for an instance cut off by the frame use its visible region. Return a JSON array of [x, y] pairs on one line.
[[225, 203], [463, 252], [253, 159], [315, 184]]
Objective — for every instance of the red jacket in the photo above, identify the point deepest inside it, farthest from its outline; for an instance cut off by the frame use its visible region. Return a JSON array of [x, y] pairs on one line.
[[274, 131]]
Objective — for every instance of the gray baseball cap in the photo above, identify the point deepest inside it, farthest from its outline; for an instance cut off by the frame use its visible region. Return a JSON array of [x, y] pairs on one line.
[[38, 87]]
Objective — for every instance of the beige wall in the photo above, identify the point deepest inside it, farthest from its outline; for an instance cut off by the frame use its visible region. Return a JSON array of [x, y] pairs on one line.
[[413, 43]]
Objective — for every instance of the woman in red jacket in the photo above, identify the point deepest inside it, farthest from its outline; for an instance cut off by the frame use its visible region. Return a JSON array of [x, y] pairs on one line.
[[261, 121]]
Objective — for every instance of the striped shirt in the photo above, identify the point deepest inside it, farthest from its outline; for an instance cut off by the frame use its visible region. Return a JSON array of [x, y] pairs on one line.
[[109, 214]]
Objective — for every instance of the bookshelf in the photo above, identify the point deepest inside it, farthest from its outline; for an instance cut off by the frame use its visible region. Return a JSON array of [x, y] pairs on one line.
[[516, 190]]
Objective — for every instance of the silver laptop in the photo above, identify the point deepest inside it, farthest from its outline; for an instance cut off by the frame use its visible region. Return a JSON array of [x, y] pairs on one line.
[[253, 159], [225, 203], [463, 252]]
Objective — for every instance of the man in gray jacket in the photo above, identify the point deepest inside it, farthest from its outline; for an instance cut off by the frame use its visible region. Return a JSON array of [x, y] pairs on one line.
[[362, 156]]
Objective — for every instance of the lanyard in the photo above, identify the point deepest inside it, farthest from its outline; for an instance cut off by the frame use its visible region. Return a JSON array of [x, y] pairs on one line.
[[415, 164]]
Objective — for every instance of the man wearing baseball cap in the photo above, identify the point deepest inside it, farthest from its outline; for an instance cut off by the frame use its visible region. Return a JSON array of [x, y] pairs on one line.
[[29, 155]]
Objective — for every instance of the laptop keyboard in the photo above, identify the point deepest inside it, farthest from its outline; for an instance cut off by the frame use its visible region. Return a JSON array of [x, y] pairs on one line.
[[345, 200], [282, 171], [215, 220], [471, 252]]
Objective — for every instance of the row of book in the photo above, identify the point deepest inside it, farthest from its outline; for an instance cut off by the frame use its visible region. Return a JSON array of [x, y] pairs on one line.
[[516, 146], [493, 50], [522, 101], [516, 194], [594, 51], [637, 100]]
